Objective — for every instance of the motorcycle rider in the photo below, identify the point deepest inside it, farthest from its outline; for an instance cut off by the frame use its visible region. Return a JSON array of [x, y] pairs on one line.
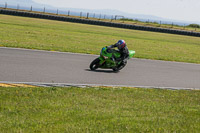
[[123, 49]]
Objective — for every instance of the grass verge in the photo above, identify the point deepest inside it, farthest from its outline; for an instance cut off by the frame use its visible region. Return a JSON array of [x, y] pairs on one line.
[[82, 38], [98, 109]]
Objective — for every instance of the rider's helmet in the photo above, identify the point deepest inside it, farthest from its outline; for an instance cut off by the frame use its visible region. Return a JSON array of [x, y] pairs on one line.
[[121, 44]]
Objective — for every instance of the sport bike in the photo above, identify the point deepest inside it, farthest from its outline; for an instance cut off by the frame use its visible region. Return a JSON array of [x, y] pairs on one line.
[[107, 60]]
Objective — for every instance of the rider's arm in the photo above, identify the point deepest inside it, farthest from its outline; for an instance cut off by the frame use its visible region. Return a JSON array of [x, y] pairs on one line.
[[112, 46]]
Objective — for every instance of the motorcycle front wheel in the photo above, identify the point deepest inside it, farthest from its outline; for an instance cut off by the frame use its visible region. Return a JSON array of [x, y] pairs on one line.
[[95, 64]]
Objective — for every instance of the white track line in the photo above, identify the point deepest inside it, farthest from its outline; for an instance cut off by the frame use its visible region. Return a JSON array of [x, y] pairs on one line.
[[35, 50]]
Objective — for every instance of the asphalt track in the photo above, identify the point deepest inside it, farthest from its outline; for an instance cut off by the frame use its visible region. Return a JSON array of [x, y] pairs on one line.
[[21, 65]]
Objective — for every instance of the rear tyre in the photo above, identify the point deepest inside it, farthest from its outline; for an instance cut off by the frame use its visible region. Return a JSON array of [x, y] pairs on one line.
[[95, 64], [115, 69], [119, 67]]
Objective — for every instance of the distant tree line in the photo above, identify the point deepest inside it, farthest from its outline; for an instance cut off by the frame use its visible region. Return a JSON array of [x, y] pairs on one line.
[[194, 25]]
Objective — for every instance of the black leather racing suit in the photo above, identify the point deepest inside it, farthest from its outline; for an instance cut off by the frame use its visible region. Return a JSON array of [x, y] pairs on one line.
[[124, 52]]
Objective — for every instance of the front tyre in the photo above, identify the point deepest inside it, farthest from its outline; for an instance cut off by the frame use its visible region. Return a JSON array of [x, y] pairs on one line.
[[95, 64]]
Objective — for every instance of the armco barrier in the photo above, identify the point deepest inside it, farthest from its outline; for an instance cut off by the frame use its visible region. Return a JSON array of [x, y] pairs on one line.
[[96, 22]]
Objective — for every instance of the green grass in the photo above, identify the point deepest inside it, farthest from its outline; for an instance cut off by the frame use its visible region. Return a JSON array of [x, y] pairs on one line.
[[98, 109], [81, 38]]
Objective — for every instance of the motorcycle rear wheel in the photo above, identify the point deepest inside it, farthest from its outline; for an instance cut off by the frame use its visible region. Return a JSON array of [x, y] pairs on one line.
[[95, 64], [119, 67]]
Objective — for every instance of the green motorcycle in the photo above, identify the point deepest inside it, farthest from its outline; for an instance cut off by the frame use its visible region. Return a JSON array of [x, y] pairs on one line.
[[105, 60]]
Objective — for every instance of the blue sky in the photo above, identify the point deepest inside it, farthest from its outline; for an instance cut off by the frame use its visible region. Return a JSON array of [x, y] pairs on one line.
[[186, 10]]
